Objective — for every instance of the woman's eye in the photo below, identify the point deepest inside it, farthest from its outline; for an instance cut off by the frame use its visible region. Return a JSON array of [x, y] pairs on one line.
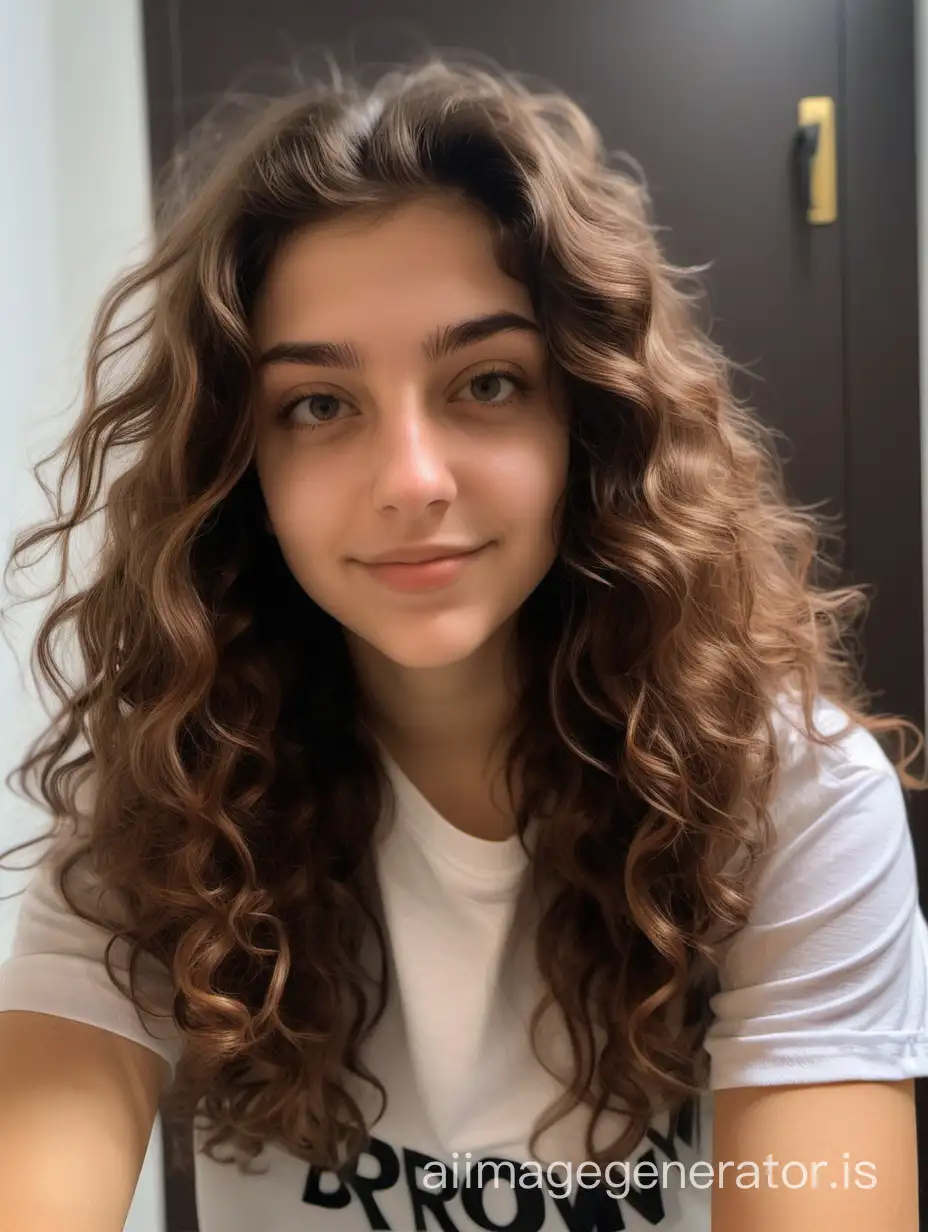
[[312, 410], [494, 387]]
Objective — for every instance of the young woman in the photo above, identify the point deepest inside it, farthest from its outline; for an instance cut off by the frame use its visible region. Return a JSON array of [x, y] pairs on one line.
[[465, 803]]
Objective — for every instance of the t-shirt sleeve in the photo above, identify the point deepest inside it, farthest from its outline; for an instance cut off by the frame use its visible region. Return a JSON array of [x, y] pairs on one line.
[[57, 967], [828, 981]]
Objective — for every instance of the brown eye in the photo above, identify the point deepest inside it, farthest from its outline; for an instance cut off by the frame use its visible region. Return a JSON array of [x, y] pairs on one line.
[[495, 387], [312, 410], [488, 388]]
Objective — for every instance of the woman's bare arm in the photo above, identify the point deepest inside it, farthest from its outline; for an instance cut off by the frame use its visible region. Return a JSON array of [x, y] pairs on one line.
[[77, 1105], [831, 1157]]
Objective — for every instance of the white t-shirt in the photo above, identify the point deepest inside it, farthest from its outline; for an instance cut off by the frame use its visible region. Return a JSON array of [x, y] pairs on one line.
[[828, 982]]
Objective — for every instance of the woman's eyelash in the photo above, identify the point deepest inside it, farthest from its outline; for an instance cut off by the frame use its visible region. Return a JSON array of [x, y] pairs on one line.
[[291, 404], [519, 381], [286, 411]]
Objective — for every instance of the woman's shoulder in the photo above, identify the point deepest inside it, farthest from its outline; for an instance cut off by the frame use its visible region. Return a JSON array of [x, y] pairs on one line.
[[837, 749], [828, 979], [838, 802], [63, 961]]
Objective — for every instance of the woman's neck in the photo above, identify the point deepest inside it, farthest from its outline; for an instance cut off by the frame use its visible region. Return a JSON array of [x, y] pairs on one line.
[[447, 728], [464, 705]]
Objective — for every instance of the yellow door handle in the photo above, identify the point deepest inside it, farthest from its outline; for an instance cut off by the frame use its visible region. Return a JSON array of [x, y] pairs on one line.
[[818, 159]]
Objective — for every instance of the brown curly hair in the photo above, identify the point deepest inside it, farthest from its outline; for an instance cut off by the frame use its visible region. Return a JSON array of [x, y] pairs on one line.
[[235, 789]]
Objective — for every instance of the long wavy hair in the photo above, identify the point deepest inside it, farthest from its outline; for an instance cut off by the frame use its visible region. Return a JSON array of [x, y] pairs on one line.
[[214, 714]]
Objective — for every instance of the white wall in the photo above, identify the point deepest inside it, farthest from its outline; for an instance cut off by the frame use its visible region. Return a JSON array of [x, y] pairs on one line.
[[73, 212]]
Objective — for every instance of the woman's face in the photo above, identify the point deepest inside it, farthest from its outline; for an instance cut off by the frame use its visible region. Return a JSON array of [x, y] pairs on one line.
[[411, 448]]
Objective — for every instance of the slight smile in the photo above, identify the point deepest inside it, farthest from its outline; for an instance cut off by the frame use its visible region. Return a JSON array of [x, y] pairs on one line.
[[431, 572]]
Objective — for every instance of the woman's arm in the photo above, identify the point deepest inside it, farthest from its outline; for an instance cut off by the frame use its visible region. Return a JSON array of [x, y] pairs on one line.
[[77, 1106], [861, 1135]]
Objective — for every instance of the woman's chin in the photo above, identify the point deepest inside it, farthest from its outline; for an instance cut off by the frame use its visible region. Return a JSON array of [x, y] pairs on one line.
[[428, 657], [443, 644]]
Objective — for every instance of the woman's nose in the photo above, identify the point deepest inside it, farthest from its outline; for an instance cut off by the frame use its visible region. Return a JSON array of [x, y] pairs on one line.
[[411, 465]]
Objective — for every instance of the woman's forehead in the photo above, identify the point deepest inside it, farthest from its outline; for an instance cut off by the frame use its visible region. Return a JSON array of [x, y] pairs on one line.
[[420, 266]]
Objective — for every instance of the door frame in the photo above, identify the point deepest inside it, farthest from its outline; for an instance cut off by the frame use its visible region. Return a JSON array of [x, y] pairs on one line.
[[878, 179], [878, 187], [878, 215]]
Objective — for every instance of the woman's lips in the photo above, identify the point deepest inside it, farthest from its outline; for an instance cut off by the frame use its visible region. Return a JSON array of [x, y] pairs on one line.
[[426, 575]]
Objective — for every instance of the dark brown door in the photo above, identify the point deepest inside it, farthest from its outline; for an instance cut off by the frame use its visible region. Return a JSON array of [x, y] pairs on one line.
[[704, 96]]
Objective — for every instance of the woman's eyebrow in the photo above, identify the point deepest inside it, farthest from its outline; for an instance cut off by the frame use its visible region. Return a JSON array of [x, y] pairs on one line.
[[441, 342]]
